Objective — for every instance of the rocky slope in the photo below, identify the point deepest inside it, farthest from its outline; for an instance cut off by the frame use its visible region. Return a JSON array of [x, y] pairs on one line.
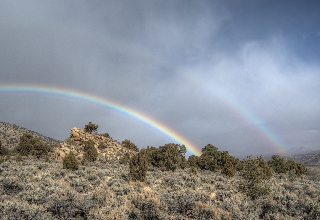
[[108, 149], [10, 135]]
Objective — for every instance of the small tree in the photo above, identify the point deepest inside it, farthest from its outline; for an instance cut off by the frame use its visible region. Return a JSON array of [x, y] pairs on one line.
[[210, 158], [168, 157], [70, 162], [210, 150], [227, 164], [128, 144], [90, 127], [139, 166], [91, 153], [278, 164], [255, 173]]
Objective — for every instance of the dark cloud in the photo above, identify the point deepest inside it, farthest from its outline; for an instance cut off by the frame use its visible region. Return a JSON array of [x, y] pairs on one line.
[[214, 72]]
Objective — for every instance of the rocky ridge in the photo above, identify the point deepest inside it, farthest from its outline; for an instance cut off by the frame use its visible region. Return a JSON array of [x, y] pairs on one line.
[[10, 135], [108, 149]]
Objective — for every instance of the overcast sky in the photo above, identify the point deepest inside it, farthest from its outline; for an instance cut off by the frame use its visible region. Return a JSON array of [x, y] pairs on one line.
[[241, 75]]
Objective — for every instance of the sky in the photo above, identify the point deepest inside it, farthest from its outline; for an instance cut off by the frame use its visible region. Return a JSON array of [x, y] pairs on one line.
[[241, 75]]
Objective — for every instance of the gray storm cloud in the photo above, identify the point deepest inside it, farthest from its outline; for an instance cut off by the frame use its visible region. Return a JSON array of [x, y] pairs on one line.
[[201, 68]]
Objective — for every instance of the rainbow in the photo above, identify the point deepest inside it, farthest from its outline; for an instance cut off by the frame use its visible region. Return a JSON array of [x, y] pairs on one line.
[[240, 109], [106, 103], [248, 115]]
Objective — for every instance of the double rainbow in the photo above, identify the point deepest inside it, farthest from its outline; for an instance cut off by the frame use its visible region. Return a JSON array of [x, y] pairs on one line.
[[193, 149]]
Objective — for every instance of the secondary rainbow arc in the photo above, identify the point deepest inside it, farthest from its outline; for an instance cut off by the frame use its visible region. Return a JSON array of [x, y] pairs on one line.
[[160, 127], [239, 109]]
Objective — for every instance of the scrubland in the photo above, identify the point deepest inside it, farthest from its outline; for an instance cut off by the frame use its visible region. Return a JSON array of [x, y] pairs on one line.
[[42, 189], [92, 176]]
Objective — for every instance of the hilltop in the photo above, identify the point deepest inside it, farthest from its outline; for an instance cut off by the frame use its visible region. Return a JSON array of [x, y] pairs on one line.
[[11, 133], [107, 148]]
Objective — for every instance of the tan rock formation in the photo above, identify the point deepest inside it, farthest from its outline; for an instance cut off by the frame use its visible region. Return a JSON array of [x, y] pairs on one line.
[[107, 148]]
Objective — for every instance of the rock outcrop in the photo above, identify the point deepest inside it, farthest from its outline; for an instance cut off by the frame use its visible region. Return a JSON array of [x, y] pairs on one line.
[[108, 149]]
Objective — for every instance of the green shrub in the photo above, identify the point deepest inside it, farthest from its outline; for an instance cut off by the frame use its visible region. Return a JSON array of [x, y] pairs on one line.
[[278, 164], [255, 173], [18, 158], [168, 157], [125, 159], [228, 169], [203, 211], [300, 169], [151, 151], [211, 150], [149, 208], [193, 161], [40, 149], [139, 166], [238, 165], [25, 144], [212, 159], [128, 144], [11, 186], [17, 209], [102, 145], [106, 135], [182, 202], [90, 152], [70, 162], [254, 190], [226, 158], [193, 170], [3, 150], [30, 145], [207, 162]]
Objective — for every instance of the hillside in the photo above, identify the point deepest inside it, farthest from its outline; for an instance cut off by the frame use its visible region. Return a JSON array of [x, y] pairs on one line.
[[311, 158], [40, 188], [10, 135]]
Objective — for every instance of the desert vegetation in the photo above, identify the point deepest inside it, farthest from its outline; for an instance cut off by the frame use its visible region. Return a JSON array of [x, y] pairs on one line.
[[151, 183], [90, 127]]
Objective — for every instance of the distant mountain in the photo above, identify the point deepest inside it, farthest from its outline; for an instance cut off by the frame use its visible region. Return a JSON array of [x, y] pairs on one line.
[[308, 157], [10, 135], [312, 158]]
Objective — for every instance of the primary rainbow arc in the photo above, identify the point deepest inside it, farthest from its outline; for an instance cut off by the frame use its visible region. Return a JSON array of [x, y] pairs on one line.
[[104, 102]]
